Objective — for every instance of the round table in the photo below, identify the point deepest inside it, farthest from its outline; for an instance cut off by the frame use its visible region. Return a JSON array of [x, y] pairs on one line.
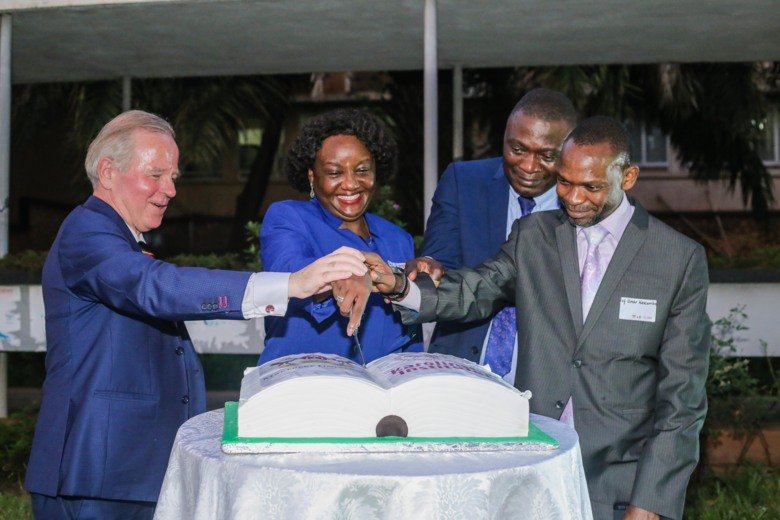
[[202, 482]]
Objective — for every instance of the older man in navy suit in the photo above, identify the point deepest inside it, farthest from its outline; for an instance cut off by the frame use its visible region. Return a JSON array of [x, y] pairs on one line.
[[121, 372]]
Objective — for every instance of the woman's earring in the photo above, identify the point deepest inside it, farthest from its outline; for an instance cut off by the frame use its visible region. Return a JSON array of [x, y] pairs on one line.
[[311, 190]]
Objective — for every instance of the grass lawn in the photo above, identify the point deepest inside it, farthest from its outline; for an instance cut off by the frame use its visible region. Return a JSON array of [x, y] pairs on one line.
[[746, 492], [15, 506]]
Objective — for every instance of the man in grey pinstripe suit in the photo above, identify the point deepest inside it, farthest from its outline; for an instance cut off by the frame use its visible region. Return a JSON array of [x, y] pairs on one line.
[[629, 372]]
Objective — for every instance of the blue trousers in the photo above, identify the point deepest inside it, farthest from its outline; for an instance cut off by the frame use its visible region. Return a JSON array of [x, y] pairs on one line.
[[80, 508]]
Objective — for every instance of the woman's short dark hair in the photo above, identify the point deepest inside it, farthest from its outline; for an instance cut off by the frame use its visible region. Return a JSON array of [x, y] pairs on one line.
[[366, 127]]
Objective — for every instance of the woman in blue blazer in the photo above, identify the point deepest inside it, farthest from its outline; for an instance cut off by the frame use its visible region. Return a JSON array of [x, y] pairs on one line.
[[340, 158]]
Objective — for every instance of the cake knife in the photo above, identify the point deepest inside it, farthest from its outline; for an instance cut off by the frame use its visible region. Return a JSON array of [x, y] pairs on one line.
[[358, 347]]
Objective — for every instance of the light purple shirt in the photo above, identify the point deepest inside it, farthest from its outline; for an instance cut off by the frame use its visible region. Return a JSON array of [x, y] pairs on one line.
[[615, 224]]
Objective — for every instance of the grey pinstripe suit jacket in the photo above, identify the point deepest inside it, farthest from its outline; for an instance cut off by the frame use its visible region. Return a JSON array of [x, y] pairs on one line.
[[637, 387]]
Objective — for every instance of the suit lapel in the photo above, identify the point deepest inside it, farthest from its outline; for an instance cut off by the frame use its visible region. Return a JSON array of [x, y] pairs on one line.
[[95, 204], [567, 253], [498, 198], [628, 247]]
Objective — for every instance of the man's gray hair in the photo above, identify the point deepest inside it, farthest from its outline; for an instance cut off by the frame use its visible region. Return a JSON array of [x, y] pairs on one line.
[[115, 139]]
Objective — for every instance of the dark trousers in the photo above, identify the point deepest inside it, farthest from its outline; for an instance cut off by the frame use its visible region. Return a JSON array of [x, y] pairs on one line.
[[80, 508]]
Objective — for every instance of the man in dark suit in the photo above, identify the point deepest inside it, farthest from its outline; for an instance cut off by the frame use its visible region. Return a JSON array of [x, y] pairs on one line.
[[612, 331], [476, 202], [121, 372]]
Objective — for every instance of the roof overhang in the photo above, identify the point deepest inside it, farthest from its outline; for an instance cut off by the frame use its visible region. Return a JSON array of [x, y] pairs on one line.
[[61, 40]]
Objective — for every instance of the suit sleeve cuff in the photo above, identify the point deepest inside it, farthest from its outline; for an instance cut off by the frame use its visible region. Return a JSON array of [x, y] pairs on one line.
[[412, 299], [266, 295]]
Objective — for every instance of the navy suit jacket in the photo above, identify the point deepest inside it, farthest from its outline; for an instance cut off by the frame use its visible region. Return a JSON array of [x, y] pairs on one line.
[[121, 372], [467, 226]]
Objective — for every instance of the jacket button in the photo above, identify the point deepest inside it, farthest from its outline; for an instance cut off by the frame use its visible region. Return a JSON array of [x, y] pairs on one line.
[[559, 405], [577, 363], [179, 351], [474, 350], [185, 399], [269, 309]]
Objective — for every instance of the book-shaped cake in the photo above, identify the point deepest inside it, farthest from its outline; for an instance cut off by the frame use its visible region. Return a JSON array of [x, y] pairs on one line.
[[408, 398]]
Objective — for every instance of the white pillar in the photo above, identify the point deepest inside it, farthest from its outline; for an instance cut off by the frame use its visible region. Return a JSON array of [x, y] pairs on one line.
[[457, 112], [431, 87], [127, 93], [5, 168], [5, 127]]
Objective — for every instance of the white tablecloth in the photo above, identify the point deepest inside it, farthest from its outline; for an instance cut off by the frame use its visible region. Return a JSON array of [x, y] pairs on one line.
[[204, 483]]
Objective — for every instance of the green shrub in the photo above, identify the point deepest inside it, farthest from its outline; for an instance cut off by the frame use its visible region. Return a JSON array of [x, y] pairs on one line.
[[737, 400], [382, 204], [16, 434], [731, 387], [22, 268], [767, 257]]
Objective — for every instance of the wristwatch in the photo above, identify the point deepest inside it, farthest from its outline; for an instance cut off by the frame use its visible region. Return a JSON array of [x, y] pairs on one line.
[[399, 294]]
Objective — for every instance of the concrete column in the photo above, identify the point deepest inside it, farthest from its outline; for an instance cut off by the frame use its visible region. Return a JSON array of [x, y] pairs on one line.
[[5, 169], [457, 113], [5, 127], [431, 87], [127, 93]]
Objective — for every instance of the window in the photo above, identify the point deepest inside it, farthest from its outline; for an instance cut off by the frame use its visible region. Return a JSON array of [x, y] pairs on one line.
[[649, 146], [769, 143]]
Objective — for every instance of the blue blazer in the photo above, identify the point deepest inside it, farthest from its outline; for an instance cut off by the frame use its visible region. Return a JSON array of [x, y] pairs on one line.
[[467, 225], [294, 234], [121, 372]]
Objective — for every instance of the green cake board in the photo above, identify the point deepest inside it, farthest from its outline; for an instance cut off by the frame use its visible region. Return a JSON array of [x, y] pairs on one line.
[[536, 437]]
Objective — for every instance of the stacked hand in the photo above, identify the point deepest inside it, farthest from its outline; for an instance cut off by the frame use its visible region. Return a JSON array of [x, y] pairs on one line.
[[351, 295], [387, 282], [318, 276], [425, 264], [353, 276]]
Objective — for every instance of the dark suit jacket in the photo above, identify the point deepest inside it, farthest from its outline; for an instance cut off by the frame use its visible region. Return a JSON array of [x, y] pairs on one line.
[[121, 371], [637, 387], [467, 226]]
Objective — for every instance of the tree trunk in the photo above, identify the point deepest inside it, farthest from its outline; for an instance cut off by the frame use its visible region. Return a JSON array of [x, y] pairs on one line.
[[250, 200]]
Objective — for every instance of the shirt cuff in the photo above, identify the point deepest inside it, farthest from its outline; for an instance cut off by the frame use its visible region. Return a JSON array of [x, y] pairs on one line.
[[413, 298], [266, 295]]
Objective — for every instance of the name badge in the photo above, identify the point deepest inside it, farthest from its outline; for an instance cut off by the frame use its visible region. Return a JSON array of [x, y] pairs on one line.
[[636, 309]]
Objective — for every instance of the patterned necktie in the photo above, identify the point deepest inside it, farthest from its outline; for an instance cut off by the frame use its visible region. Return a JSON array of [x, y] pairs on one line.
[[145, 249], [526, 205], [501, 341], [593, 269]]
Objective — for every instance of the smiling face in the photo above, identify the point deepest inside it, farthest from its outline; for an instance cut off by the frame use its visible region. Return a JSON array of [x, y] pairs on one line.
[[585, 187], [141, 193], [531, 150], [343, 178]]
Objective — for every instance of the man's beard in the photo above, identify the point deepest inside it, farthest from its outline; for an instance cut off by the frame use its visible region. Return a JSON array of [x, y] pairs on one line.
[[613, 201]]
